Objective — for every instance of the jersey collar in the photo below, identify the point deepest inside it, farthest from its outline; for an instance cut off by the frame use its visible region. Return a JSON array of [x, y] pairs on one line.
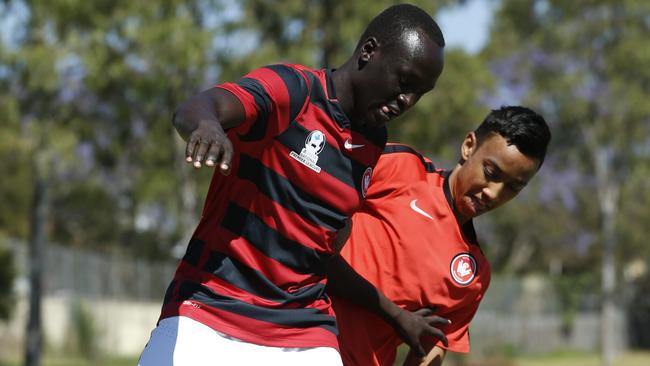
[[335, 108], [467, 229]]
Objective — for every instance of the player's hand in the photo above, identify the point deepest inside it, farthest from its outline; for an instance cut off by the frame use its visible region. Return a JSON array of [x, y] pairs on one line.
[[209, 144], [412, 325]]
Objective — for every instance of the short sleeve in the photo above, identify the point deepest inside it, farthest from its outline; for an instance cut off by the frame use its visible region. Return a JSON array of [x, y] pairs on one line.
[[272, 97], [395, 169]]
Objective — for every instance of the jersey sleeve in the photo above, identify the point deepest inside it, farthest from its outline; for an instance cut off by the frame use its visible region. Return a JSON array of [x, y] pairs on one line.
[[272, 97], [393, 172]]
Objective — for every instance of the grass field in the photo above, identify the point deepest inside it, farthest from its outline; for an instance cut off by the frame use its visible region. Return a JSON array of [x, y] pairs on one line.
[[555, 359], [579, 359], [630, 358], [77, 361]]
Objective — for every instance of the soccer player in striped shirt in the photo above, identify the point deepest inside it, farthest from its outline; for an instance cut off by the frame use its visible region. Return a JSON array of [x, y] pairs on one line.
[[294, 150]]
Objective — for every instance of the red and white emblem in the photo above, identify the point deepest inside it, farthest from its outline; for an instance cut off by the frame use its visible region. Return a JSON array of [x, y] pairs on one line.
[[365, 181], [463, 268]]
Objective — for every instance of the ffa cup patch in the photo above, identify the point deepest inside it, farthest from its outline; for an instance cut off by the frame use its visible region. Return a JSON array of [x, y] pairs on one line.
[[314, 144], [463, 268]]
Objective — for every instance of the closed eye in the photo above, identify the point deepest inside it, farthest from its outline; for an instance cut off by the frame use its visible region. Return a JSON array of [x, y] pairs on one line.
[[489, 173]]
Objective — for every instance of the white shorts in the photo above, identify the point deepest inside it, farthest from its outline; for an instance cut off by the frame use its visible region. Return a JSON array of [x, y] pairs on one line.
[[181, 341]]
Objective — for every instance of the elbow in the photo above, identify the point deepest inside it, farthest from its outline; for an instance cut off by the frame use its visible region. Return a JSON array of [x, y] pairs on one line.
[[178, 114], [179, 121]]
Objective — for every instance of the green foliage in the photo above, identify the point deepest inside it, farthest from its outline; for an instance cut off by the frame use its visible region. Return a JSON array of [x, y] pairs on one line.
[[79, 226], [573, 62], [570, 290], [90, 93], [84, 331], [634, 215], [15, 193], [315, 33]]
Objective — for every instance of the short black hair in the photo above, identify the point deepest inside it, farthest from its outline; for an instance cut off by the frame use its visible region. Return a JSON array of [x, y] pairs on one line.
[[520, 126], [391, 23]]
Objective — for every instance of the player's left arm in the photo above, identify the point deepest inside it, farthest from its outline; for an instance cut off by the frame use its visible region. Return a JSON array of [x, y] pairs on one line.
[[435, 356]]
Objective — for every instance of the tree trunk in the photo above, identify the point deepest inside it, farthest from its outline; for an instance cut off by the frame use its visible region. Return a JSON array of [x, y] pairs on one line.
[[33, 343], [329, 28], [607, 197], [188, 217]]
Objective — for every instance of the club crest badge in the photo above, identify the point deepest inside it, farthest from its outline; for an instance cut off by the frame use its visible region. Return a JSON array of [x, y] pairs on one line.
[[314, 144], [463, 268], [365, 181]]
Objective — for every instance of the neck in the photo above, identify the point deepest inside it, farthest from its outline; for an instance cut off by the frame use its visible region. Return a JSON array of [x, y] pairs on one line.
[[452, 189], [343, 86]]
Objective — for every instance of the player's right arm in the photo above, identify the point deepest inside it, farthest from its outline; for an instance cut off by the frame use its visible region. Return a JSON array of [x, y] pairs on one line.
[[434, 357], [458, 336], [201, 121], [345, 282]]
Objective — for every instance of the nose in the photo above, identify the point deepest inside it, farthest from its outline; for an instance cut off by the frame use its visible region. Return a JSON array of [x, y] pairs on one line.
[[407, 100], [492, 191]]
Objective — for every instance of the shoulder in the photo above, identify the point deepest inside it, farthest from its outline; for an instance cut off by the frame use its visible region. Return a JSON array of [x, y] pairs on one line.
[[400, 166], [407, 157], [288, 75]]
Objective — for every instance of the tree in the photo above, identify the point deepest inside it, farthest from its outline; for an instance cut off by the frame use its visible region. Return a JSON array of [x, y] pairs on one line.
[[90, 88], [7, 273], [580, 63]]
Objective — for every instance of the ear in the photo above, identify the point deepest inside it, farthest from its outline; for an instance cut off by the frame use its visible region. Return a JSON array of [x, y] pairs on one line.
[[468, 147], [367, 50]]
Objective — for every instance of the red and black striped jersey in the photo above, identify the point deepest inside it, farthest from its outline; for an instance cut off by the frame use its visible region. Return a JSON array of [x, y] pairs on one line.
[[406, 241], [255, 267]]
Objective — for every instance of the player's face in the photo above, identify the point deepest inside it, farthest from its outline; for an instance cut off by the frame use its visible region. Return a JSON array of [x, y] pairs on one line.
[[395, 77], [491, 174]]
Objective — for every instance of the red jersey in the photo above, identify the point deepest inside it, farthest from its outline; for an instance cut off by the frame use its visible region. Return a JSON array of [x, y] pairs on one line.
[[255, 267], [406, 241]]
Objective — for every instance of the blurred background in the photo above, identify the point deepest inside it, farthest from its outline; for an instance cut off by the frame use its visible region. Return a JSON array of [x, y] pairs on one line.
[[97, 204]]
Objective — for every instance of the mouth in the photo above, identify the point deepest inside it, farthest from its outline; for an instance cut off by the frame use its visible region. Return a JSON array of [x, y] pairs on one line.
[[388, 112], [477, 205]]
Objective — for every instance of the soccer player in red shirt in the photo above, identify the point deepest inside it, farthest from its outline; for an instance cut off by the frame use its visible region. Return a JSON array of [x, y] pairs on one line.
[[294, 149], [414, 240]]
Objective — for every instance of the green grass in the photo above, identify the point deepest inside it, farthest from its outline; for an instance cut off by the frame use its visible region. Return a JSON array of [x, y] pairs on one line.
[[630, 358]]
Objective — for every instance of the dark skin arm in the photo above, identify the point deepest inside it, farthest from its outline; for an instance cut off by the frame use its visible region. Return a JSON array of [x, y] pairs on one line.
[[201, 121], [434, 357], [345, 282]]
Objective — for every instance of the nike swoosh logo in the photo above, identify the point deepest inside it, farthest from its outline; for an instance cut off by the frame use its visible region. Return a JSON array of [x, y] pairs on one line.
[[419, 210], [348, 145]]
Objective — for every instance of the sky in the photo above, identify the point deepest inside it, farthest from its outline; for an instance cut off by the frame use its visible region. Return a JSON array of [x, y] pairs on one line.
[[467, 26]]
